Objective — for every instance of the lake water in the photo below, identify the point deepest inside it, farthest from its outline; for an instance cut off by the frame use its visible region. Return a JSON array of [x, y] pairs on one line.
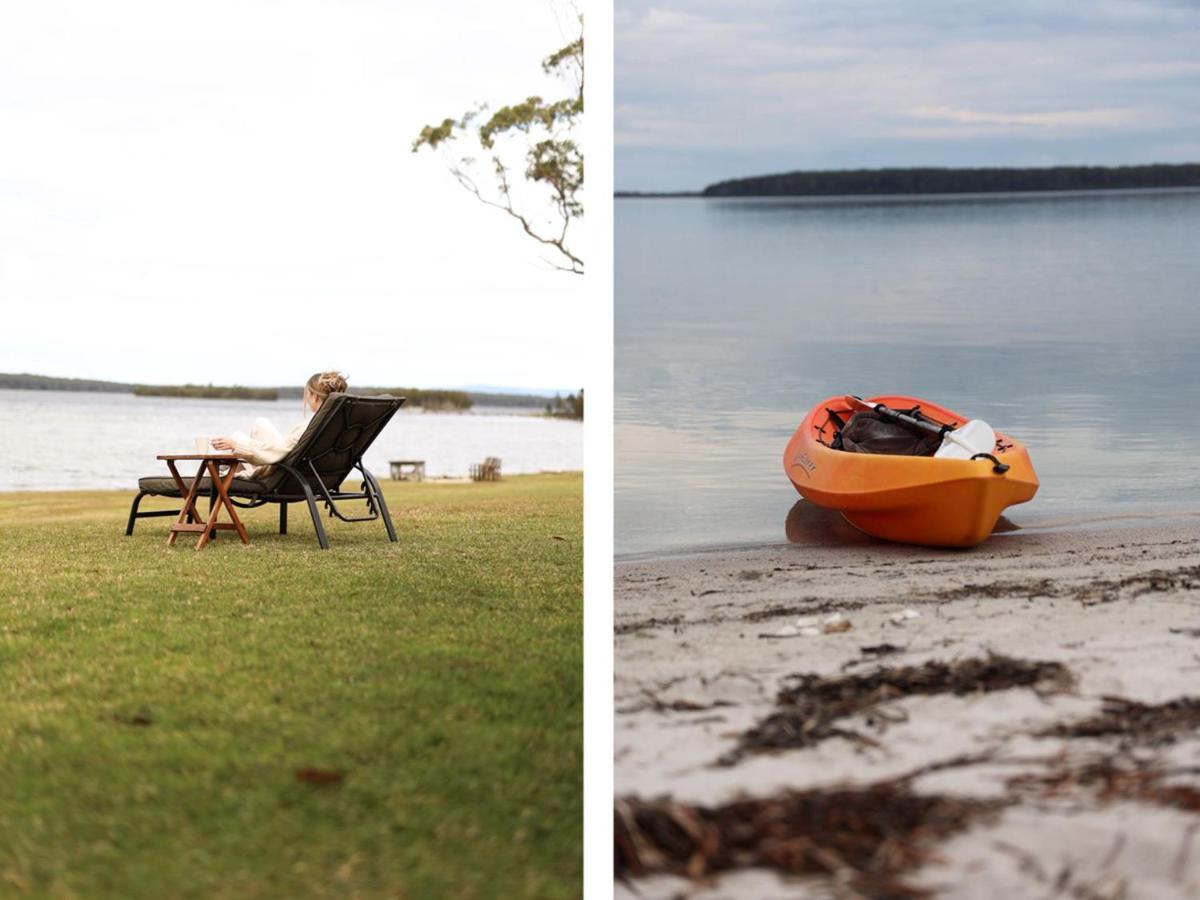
[[53, 440], [1071, 321]]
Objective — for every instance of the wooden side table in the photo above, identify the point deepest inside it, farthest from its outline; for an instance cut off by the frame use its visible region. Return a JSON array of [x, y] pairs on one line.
[[210, 462]]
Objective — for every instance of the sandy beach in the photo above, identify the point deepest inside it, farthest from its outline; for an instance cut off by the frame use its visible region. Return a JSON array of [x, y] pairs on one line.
[[1019, 715]]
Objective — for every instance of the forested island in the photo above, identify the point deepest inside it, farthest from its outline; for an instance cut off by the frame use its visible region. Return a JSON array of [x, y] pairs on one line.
[[941, 180], [207, 391], [569, 407], [957, 181], [430, 399]]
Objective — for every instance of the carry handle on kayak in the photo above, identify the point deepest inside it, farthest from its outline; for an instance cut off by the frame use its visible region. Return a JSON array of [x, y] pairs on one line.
[[945, 431]]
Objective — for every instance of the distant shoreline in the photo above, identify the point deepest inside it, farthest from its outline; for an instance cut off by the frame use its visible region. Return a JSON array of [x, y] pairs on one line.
[[944, 180], [902, 198], [657, 194], [427, 398]]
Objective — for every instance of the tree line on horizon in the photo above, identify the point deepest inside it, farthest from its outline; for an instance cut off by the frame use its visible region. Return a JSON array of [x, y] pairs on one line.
[[206, 391], [934, 180], [433, 399], [568, 407]]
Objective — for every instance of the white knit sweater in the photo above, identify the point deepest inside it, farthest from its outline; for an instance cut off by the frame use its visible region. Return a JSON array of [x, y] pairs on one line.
[[263, 446]]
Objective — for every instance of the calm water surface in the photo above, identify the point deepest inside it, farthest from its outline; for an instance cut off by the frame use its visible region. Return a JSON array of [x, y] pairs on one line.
[[1069, 320], [53, 440]]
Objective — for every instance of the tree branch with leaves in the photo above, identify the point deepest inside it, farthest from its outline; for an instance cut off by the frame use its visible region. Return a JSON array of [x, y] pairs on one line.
[[540, 133]]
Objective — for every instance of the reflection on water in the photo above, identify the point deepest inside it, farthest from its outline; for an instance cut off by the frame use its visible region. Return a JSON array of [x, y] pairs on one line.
[[815, 526], [54, 440], [1070, 321]]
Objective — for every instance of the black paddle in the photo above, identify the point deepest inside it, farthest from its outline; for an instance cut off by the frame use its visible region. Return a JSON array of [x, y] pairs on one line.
[[973, 440]]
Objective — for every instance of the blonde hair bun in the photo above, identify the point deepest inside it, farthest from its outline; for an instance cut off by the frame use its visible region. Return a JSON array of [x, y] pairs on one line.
[[325, 383]]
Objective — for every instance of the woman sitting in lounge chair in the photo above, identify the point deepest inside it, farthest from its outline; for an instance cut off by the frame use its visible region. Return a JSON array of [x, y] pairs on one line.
[[264, 444]]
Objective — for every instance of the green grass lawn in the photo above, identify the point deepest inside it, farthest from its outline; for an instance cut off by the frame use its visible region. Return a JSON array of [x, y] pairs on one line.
[[156, 704]]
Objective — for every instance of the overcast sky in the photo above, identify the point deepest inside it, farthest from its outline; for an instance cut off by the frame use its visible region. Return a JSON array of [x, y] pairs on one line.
[[713, 89], [246, 165]]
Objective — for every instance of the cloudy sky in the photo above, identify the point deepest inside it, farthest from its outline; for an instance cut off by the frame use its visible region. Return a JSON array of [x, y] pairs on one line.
[[246, 165], [712, 89]]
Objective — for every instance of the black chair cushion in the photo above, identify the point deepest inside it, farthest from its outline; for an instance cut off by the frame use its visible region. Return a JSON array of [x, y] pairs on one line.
[[165, 487]]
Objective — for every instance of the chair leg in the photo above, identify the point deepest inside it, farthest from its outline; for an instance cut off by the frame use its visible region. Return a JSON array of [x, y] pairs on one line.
[[382, 505], [316, 515], [283, 518], [133, 513]]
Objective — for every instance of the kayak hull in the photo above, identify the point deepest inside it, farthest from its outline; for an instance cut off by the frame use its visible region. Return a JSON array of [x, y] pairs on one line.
[[911, 499]]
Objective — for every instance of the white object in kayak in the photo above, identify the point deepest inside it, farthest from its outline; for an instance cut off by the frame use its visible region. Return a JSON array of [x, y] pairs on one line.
[[967, 440]]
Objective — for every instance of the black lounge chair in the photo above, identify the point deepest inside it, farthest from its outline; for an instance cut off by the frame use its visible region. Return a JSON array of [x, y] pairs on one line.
[[330, 448]]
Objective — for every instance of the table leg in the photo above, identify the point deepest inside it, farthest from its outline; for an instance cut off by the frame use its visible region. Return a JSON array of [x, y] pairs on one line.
[[222, 486], [189, 500]]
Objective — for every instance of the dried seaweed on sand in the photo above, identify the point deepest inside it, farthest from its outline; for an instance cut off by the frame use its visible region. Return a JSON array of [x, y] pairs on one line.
[[1111, 779], [1134, 722], [809, 705], [863, 837]]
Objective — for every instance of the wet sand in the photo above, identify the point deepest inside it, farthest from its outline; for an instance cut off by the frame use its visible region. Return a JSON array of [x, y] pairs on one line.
[[705, 642]]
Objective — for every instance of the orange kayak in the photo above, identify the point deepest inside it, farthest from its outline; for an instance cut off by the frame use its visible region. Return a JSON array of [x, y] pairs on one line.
[[912, 499]]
